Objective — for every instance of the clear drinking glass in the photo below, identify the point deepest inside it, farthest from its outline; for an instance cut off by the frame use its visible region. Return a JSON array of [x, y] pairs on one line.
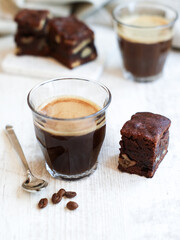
[[70, 146], [144, 32]]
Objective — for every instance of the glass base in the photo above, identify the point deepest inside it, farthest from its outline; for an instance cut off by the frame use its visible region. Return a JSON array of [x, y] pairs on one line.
[[54, 174], [129, 75]]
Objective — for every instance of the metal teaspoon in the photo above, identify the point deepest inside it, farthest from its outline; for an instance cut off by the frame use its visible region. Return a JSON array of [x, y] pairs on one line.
[[32, 184]]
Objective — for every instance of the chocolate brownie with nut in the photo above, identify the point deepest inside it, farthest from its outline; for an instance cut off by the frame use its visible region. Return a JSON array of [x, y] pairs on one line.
[[31, 37], [32, 22], [144, 143], [71, 41]]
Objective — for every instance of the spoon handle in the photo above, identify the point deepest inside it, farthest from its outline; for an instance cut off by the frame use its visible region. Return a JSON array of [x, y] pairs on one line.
[[12, 136]]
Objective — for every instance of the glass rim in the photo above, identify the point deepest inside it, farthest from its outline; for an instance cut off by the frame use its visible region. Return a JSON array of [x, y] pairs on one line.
[[121, 6], [69, 119]]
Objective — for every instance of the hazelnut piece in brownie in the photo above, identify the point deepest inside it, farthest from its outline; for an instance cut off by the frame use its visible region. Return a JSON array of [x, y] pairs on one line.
[[71, 41], [144, 143], [31, 37]]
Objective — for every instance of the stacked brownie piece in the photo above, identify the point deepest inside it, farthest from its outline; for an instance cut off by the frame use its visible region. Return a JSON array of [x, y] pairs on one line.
[[31, 37], [144, 143], [71, 41], [67, 39]]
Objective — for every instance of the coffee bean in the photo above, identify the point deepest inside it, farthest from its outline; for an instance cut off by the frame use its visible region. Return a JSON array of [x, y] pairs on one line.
[[43, 203], [70, 194], [61, 192], [56, 198], [72, 205]]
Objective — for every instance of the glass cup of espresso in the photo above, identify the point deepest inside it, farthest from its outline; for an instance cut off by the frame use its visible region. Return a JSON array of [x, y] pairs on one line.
[[69, 117], [144, 33]]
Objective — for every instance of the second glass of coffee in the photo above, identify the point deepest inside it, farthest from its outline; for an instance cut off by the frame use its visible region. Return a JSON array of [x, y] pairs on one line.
[[70, 123], [144, 33]]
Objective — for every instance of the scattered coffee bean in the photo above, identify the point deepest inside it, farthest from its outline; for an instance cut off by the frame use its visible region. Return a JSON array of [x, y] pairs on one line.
[[72, 205], [70, 194], [43, 203], [61, 192], [56, 198]]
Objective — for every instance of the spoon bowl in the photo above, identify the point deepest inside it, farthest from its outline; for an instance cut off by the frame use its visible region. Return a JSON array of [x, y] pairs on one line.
[[35, 185]]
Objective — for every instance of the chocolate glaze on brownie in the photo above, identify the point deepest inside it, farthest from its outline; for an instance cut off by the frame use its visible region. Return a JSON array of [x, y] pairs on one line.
[[144, 143], [150, 125]]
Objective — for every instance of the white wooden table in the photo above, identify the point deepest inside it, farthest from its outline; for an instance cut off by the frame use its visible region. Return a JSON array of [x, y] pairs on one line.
[[112, 205]]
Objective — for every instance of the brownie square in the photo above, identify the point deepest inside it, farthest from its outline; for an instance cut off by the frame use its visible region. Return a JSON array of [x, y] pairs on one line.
[[30, 45], [66, 39], [71, 41], [31, 37], [144, 143], [32, 22], [69, 31]]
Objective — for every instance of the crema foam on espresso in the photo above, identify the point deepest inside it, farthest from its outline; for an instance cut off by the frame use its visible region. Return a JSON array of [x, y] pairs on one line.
[[144, 29], [70, 107]]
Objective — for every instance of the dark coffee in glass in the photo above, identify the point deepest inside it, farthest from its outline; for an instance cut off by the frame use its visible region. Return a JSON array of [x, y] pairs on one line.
[[70, 124], [71, 153], [144, 32]]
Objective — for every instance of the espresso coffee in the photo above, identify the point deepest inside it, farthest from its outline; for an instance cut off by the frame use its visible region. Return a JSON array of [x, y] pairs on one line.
[[144, 48], [71, 143]]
